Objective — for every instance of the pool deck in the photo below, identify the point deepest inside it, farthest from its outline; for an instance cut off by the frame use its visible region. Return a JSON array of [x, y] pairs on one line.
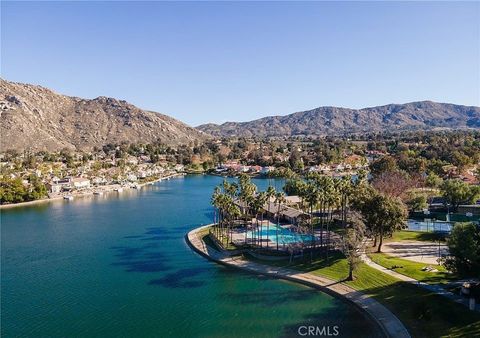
[[387, 321]]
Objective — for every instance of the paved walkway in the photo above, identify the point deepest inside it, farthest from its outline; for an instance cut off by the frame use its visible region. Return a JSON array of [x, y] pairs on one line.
[[389, 323], [430, 287]]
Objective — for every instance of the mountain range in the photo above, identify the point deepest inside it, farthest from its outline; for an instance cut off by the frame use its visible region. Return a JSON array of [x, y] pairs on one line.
[[36, 118], [323, 121]]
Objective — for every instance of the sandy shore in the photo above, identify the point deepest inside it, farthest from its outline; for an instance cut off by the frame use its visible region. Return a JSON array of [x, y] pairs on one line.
[[102, 189]]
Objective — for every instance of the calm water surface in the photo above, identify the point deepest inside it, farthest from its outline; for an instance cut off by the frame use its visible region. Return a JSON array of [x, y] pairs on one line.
[[118, 266]]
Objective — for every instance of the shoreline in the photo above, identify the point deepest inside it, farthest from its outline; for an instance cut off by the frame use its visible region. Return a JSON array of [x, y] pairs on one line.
[[106, 189], [387, 322]]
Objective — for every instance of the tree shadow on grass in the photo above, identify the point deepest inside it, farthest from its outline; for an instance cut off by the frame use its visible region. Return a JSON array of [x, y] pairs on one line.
[[309, 263], [432, 236], [424, 313]]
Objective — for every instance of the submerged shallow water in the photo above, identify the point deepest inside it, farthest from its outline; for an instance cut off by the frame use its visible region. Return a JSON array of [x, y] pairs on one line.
[[117, 265]]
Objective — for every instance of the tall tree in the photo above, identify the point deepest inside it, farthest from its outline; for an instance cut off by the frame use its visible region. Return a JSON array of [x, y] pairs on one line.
[[457, 192], [352, 241], [279, 200], [382, 214], [464, 249], [270, 193]]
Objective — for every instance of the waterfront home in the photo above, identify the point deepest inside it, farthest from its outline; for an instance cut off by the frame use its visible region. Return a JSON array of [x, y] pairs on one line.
[[99, 180], [54, 188], [266, 170], [131, 177], [57, 185], [80, 183]]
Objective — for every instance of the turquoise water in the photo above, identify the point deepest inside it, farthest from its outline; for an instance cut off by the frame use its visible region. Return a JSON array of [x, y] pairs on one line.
[[117, 265], [284, 235]]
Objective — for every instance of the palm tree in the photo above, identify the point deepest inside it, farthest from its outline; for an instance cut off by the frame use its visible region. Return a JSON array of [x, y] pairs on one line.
[[230, 188], [262, 199], [256, 205], [216, 204], [344, 188], [279, 199], [233, 212], [270, 193], [246, 194], [312, 197]]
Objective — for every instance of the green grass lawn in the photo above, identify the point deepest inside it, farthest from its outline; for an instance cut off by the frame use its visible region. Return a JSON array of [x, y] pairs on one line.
[[416, 236], [204, 235], [413, 269], [424, 313]]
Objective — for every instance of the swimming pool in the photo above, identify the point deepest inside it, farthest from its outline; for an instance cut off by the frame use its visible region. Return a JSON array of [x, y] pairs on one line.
[[429, 226], [285, 235]]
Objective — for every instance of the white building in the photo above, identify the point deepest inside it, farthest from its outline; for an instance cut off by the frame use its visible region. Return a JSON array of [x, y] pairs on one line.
[[80, 183], [132, 177]]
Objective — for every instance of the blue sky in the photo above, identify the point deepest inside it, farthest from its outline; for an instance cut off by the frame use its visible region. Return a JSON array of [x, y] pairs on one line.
[[236, 61]]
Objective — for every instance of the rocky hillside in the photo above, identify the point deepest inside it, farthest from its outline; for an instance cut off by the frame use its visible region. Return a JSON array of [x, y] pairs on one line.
[[340, 121], [33, 117]]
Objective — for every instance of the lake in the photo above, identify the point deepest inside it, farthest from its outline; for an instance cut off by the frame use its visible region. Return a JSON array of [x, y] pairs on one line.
[[118, 265]]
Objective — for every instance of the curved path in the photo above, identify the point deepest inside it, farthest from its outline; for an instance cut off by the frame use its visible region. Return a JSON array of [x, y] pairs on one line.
[[439, 290], [389, 323]]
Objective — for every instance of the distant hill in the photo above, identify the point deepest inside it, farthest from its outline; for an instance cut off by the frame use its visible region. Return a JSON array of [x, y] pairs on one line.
[[324, 121], [33, 117]]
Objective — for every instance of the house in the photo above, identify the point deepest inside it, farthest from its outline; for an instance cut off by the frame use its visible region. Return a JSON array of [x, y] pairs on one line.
[[255, 168], [54, 188], [131, 177], [266, 170], [99, 181], [58, 185], [80, 183]]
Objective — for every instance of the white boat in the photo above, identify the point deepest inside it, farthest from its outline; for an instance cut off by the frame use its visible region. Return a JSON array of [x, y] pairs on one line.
[[118, 189], [97, 192], [68, 197]]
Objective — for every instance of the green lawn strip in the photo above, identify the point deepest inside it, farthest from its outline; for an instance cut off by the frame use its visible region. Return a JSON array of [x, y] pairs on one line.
[[425, 314], [204, 231], [203, 234], [416, 236], [413, 269]]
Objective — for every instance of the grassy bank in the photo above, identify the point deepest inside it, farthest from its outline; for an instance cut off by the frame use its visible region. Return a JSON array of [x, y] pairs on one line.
[[204, 235], [413, 269]]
